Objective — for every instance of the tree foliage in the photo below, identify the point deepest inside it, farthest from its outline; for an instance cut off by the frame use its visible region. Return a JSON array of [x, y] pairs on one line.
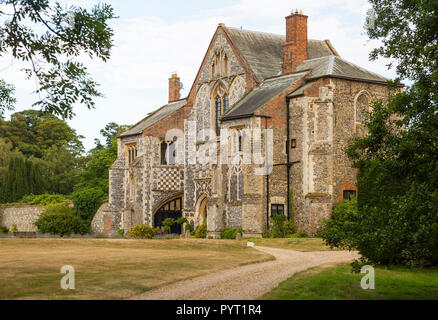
[[48, 39], [23, 178]]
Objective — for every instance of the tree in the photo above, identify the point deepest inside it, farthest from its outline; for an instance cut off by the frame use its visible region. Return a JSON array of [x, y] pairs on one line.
[[48, 39], [96, 173], [23, 178], [33, 132], [111, 131], [60, 170], [397, 220]]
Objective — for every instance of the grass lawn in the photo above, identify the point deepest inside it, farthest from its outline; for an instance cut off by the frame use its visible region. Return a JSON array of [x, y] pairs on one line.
[[111, 269], [297, 244], [333, 282]]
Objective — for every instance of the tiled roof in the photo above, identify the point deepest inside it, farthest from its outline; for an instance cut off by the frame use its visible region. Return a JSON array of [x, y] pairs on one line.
[[154, 117], [337, 67], [261, 95], [264, 51]]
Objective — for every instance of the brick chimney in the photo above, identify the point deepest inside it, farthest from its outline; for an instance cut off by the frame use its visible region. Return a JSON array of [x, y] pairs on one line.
[[295, 49], [174, 88]]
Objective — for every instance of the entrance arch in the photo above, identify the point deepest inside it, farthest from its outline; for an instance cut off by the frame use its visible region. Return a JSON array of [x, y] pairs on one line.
[[201, 210], [171, 209]]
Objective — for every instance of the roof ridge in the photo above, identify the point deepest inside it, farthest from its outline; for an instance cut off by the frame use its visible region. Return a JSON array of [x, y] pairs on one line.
[[255, 31], [361, 68]]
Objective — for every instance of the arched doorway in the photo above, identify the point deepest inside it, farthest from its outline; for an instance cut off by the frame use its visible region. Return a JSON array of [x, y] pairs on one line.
[[201, 210], [172, 209]]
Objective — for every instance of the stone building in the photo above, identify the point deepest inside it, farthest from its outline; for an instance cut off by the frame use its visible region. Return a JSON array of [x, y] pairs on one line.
[[292, 102]]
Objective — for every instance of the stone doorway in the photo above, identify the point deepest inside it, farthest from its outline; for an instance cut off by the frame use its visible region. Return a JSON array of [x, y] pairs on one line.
[[201, 212], [172, 209]]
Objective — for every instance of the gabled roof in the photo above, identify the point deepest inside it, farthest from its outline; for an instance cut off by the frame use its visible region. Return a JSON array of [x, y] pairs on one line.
[[264, 51], [261, 95], [154, 117], [336, 67]]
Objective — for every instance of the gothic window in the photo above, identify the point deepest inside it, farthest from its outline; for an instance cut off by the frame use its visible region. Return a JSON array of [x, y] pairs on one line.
[[218, 115], [226, 103], [131, 151], [361, 108], [220, 64], [168, 153]]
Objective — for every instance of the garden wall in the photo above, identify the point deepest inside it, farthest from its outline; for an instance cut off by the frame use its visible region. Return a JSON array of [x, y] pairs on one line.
[[23, 216]]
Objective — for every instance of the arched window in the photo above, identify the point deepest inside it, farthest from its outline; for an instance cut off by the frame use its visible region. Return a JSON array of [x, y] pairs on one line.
[[226, 103], [218, 115], [361, 108], [168, 153], [131, 152]]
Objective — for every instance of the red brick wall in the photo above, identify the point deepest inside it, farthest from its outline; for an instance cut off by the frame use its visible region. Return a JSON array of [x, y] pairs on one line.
[[174, 88], [174, 121], [295, 49]]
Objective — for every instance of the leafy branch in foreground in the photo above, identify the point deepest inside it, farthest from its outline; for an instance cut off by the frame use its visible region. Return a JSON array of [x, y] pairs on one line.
[[48, 40]]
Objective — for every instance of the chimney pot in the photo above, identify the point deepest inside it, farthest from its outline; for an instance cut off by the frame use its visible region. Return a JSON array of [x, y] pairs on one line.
[[174, 88], [295, 48]]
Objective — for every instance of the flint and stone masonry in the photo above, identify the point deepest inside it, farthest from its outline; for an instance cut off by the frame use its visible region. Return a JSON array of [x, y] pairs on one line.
[[301, 89]]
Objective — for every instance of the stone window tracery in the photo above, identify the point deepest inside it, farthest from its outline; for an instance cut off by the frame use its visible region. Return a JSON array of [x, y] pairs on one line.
[[220, 64], [168, 153], [131, 152], [221, 103]]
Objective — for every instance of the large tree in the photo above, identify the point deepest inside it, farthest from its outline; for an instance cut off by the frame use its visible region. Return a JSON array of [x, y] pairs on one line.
[[48, 39]]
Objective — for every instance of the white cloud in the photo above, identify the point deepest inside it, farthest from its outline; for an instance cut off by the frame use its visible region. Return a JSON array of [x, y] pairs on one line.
[[148, 49]]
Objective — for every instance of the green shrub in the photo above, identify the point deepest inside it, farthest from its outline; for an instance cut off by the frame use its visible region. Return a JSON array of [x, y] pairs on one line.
[[289, 226], [340, 229], [4, 230], [61, 220], [143, 232], [297, 235], [168, 224], [14, 228], [181, 221], [267, 234], [188, 227], [201, 231], [87, 201], [44, 199], [278, 226], [229, 233], [121, 232]]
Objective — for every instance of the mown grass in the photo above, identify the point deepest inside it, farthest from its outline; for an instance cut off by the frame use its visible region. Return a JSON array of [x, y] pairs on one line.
[[333, 282], [111, 269]]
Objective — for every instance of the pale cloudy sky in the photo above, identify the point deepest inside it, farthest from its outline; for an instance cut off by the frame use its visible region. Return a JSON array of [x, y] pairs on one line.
[[155, 38]]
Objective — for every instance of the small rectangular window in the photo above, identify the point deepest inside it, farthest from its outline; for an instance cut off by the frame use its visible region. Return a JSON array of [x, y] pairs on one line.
[[164, 153], [350, 195], [277, 209], [293, 144]]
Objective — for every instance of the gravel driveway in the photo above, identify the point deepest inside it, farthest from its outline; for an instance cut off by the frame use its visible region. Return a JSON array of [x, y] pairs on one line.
[[247, 282]]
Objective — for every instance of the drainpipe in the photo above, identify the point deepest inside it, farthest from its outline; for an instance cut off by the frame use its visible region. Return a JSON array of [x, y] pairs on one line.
[[288, 155], [267, 184]]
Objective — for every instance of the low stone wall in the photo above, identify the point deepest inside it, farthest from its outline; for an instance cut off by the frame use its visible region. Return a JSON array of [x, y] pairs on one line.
[[106, 222], [23, 216]]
